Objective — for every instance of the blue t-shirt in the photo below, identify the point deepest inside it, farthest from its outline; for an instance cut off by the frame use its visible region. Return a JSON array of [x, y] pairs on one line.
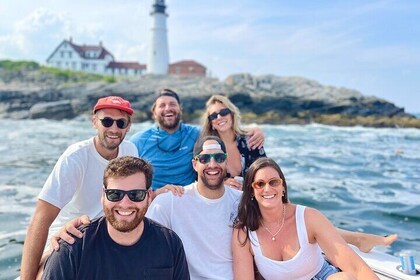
[[169, 154]]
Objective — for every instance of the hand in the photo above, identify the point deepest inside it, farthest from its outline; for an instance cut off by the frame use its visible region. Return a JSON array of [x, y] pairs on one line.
[[67, 229], [175, 189], [233, 183], [256, 139]]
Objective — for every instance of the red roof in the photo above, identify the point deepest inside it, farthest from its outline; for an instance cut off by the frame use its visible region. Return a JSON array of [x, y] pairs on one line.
[[186, 63], [126, 65], [83, 49]]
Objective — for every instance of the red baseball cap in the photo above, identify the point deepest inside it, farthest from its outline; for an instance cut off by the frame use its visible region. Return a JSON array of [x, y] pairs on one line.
[[113, 102]]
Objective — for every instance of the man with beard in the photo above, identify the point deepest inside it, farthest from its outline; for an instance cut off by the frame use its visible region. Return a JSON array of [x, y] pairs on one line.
[[168, 145], [123, 244], [74, 186], [203, 216]]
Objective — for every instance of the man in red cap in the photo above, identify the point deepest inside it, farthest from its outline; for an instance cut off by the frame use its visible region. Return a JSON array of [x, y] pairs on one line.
[[74, 187]]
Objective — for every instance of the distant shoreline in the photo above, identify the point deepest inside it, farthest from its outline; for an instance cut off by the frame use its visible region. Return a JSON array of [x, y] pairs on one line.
[[31, 91]]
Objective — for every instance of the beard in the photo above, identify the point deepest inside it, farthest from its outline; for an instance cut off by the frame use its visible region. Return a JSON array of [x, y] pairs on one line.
[[104, 141], [169, 124], [213, 186], [125, 226]]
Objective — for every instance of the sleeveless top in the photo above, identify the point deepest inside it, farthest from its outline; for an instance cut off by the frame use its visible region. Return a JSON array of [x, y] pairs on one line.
[[304, 265]]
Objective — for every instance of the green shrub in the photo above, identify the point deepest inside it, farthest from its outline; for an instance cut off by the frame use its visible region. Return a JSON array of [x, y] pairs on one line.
[[18, 65], [109, 79], [71, 76]]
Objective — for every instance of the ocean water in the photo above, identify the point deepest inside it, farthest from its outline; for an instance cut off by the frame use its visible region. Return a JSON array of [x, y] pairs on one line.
[[363, 179]]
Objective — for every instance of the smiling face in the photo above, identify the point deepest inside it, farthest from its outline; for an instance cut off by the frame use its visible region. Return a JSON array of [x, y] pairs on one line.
[[268, 196], [211, 174], [110, 137], [167, 112], [222, 123], [126, 215]]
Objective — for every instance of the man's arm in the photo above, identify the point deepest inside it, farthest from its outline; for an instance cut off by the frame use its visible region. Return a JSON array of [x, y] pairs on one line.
[[175, 189], [256, 139], [37, 234]]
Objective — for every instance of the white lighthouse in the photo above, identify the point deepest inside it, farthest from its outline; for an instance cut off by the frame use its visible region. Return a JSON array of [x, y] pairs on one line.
[[158, 59]]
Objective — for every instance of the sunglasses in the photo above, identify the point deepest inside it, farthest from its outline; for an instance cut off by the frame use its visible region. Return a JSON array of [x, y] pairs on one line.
[[108, 122], [115, 195], [274, 183], [205, 158], [222, 113]]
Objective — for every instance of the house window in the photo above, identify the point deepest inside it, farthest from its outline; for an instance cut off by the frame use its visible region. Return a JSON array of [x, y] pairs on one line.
[[191, 68], [73, 65], [177, 69], [70, 54], [94, 67], [58, 63], [61, 54]]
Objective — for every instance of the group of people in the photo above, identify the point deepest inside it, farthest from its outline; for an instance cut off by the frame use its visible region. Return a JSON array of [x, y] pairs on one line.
[[210, 164]]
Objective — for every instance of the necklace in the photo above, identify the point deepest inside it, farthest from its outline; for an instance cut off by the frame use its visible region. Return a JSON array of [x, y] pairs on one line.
[[273, 236]]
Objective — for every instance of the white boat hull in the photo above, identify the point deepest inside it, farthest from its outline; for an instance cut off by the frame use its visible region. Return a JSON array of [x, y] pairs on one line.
[[387, 267]]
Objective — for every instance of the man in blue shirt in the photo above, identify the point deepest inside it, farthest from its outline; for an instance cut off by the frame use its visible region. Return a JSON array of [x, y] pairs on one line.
[[169, 144]]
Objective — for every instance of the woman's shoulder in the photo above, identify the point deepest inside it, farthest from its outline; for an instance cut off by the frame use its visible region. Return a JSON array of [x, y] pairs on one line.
[[309, 211]]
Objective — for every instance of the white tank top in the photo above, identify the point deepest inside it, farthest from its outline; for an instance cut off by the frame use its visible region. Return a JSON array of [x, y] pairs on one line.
[[304, 265]]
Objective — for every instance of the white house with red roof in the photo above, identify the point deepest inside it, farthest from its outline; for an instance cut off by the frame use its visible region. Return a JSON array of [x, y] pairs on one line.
[[98, 60], [93, 59]]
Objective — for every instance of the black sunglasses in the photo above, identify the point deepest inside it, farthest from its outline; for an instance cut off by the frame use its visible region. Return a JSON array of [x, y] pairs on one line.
[[222, 113], [108, 122], [115, 195], [205, 158]]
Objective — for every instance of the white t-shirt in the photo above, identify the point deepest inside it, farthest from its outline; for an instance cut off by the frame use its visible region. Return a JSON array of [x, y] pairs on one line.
[[75, 184], [204, 226]]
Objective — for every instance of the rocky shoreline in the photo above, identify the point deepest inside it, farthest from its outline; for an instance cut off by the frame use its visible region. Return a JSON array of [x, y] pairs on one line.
[[261, 99]]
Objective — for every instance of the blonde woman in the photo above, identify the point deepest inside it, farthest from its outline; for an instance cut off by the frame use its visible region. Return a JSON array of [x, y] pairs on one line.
[[223, 119]]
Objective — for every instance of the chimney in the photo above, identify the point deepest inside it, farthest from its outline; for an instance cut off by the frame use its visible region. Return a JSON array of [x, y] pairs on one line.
[[71, 39]]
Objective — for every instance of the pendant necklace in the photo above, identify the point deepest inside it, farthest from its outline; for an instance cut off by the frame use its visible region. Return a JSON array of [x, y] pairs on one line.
[[273, 236]]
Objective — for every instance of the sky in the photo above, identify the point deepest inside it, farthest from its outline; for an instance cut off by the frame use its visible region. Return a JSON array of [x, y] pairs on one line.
[[370, 46]]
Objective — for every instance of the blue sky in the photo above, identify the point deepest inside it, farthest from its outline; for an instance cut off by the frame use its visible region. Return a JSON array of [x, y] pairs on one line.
[[370, 46]]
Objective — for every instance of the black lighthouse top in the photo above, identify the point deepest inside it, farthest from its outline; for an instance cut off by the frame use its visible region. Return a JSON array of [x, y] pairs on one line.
[[158, 7]]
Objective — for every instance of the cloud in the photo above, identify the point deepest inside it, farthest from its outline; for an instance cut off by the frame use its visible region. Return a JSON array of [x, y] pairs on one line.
[[30, 37]]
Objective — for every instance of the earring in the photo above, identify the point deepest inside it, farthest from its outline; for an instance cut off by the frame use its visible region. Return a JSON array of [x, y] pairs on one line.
[[252, 197], [284, 193]]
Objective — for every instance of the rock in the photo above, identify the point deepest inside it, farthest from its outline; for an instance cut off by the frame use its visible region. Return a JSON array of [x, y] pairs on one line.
[[267, 98], [56, 110]]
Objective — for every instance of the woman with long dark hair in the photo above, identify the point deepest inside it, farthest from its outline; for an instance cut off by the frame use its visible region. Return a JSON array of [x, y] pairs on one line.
[[284, 239]]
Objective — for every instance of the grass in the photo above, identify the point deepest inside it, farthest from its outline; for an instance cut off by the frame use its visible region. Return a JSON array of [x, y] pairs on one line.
[[10, 65]]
